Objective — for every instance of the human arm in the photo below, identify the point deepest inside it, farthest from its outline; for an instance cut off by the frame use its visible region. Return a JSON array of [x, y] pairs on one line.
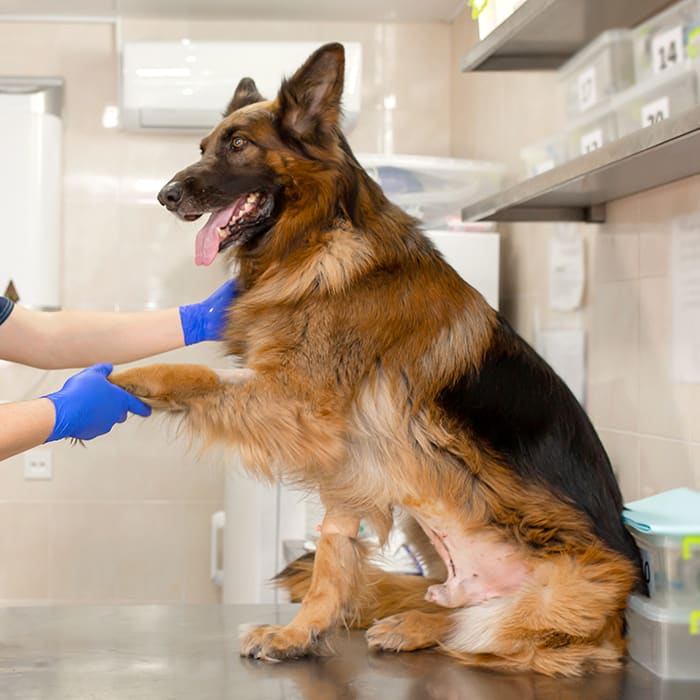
[[88, 405], [24, 425], [79, 338]]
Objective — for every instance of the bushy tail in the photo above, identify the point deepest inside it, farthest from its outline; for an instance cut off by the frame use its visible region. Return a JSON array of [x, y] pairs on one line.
[[388, 593]]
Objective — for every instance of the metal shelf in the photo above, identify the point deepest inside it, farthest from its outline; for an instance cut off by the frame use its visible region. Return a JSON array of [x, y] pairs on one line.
[[543, 34], [578, 190]]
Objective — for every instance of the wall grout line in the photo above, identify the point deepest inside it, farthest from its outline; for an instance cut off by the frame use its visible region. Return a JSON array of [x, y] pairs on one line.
[[616, 431]]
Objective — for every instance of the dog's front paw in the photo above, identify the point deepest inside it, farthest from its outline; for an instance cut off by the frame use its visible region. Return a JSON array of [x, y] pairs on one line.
[[274, 643], [169, 387], [406, 631]]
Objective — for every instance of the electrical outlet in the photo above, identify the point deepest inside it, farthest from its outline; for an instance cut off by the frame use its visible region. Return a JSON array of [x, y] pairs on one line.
[[38, 464]]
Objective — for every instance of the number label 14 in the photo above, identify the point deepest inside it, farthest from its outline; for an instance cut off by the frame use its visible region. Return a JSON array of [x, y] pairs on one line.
[[667, 49]]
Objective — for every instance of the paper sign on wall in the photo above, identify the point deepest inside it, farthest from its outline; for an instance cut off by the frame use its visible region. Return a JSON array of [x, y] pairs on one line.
[[685, 299], [566, 268]]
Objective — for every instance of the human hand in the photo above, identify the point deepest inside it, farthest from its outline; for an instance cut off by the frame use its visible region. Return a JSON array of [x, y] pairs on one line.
[[88, 405], [206, 320]]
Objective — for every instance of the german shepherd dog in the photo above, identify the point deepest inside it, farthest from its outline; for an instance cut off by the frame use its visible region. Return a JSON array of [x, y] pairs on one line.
[[375, 375]]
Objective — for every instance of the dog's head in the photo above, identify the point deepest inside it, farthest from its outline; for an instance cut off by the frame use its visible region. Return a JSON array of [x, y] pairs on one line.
[[256, 163]]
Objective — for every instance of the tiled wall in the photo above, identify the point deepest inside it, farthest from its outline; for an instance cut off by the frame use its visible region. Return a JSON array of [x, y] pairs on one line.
[[648, 423], [126, 518]]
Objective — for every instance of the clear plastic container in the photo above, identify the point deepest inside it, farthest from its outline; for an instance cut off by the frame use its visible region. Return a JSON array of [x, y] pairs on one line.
[[664, 640], [663, 96], [671, 566], [667, 39], [601, 69], [433, 189], [544, 155], [594, 130]]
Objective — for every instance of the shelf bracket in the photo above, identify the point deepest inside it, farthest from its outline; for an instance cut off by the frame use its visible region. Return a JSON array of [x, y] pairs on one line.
[[594, 214]]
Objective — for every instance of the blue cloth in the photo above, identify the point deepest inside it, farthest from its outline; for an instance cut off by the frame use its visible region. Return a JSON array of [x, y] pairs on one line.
[[675, 512], [6, 306]]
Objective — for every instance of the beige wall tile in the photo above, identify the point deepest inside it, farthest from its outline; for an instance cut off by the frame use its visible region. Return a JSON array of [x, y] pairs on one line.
[[666, 464], [24, 537], [654, 254], [617, 257], [613, 384], [196, 527], [666, 408], [695, 461], [623, 450], [135, 552], [495, 114]]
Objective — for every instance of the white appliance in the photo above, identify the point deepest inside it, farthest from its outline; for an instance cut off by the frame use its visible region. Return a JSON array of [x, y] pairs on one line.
[[31, 137], [259, 518], [187, 84]]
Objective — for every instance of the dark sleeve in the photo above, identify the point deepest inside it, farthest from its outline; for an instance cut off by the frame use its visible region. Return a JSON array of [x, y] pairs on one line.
[[6, 307]]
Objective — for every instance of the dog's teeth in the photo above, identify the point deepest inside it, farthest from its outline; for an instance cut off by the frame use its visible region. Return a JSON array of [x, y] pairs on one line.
[[222, 232]]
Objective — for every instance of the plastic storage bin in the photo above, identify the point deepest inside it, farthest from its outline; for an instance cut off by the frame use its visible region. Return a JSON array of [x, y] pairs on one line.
[[598, 71], [544, 155], [671, 568], [592, 131], [664, 640], [667, 40], [659, 98], [433, 189]]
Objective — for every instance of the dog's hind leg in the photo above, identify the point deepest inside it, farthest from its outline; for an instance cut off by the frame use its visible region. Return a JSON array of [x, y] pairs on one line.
[[336, 588], [567, 620], [411, 630]]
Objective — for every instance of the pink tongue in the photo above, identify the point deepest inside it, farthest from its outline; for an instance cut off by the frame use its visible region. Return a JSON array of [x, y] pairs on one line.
[[207, 243]]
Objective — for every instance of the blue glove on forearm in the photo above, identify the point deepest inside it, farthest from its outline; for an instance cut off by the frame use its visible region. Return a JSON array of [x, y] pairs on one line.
[[88, 405], [206, 320]]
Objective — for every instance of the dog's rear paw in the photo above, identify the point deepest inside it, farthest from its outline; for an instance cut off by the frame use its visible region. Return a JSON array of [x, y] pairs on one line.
[[170, 387], [406, 631], [274, 643]]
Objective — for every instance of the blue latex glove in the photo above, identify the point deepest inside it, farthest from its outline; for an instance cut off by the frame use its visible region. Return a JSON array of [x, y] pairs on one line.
[[88, 405], [206, 320]]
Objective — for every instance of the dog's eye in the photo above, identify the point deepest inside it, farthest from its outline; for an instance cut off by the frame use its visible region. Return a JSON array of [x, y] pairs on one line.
[[237, 142]]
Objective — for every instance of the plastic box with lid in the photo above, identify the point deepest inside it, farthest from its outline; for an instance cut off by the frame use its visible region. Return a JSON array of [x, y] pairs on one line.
[[664, 640], [671, 565], [667, 40], [666, 528], [600, 70], [592, 131], [663, 96], [544, 155], [433, 189]]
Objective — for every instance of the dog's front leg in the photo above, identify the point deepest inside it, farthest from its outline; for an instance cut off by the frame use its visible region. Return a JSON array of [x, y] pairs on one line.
[[168, 387], [336, 585]]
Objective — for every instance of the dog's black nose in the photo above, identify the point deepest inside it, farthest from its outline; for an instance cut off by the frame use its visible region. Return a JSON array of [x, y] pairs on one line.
[[171, 195]]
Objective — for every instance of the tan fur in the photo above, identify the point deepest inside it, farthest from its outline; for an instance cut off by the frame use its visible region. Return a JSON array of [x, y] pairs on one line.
[[349, 333]]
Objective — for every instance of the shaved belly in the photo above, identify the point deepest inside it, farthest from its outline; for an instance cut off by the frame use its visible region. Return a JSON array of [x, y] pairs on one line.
[[480, 565]]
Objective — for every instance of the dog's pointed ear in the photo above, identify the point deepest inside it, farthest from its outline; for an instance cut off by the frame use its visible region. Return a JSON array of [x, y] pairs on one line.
[[309, 101], [246, 94]]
